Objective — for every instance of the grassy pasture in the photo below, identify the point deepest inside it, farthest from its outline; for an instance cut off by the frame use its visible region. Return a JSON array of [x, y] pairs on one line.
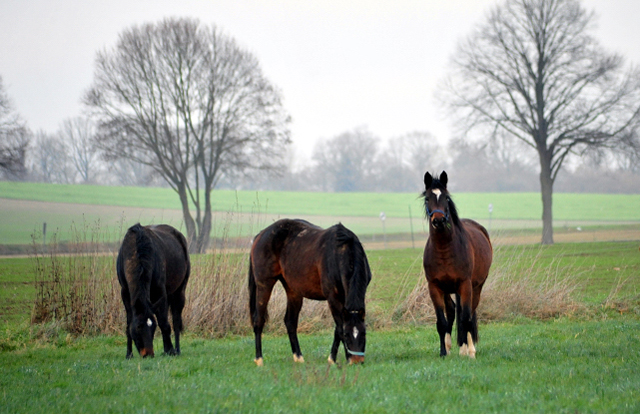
[[586, 363], [506, 206], [583, 363], [560, 366], [24, 207]]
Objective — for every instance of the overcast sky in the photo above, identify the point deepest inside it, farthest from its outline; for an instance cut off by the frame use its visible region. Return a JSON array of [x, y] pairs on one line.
[[340, 64]]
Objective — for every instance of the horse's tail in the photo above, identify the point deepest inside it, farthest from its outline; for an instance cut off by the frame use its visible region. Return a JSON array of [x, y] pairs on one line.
[[252, 293], [253, 307], [143, 254], [360, 277]]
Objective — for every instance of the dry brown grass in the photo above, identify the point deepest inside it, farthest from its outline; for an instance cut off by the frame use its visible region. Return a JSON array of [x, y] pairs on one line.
[[519, 286], [79, 292]]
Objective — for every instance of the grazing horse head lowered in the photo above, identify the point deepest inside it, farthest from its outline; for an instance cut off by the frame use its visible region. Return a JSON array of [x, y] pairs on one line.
[[456, 261], [311, 263], [153, 270]]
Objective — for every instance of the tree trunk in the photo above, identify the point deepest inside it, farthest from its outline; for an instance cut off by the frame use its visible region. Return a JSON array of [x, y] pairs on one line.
[[204, 236], [546, 190], [189, 223]]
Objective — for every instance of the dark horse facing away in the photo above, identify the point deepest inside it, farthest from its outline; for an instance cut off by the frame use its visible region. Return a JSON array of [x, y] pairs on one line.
[[457, 259], [311, 263], [153, 269]]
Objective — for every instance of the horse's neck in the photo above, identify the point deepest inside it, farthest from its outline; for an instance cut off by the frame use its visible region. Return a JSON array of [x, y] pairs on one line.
[[443, 240]]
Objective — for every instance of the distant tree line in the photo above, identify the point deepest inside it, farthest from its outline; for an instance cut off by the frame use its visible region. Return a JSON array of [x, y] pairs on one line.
[[357, 160]]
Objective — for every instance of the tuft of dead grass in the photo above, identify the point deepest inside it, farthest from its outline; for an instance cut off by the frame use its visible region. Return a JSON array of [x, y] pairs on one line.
[[77, 290], [74, 289], [519, 286]]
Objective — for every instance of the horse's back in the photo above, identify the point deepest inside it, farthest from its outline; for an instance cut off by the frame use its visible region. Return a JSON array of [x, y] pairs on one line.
[[164, 250], [174, 253], [300, 253], [482, 248]]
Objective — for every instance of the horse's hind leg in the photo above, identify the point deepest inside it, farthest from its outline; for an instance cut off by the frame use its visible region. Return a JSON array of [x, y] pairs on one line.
[[161, 310], [294, 304], [438, 299], [176, 303], [262, 296]]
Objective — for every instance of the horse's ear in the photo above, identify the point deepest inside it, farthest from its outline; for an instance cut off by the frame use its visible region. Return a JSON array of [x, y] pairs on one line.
[[444, 179], [428, 179]]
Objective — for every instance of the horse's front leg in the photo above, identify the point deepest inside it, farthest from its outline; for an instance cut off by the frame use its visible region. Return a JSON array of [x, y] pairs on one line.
[[338, 336], [450, 311], [127, 307], [294, 304], [437, 297], [467, 322], [161, 310]]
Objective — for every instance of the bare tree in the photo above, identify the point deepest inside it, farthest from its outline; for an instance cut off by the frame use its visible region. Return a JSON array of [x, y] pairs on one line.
[[14, 140], [50, 159], [186, 100], [403, 161], [532, 71], [79, 135], [346, 162]]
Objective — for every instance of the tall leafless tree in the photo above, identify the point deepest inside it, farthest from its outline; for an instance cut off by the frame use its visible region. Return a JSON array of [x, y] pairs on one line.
[[50, 161], [14, 140], [79, 136], [401, 164], [346, 162], [186, 100], [534, 72]]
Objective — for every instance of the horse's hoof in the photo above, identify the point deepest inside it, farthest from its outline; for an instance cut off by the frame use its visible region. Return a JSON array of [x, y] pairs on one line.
[[258, 361], [472, 348], [447, 343], [297, 358], [464, 350]]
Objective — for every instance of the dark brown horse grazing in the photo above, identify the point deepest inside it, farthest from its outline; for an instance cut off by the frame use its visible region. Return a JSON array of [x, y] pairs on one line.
[[456, 261], [153, 269], [311, 263]]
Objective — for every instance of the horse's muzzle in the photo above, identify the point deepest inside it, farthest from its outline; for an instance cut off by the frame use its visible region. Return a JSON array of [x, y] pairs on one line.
[[439, 222], [356, 359], [144, 352]]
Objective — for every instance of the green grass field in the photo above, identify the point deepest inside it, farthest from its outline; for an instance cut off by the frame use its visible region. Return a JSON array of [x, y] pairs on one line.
[[560, 366], [583, 363], [511, 206], [24, 207], [586, 361]]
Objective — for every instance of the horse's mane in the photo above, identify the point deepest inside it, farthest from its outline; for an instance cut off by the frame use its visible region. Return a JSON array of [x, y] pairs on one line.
[[453, 211], [144, 265], [357, 284]]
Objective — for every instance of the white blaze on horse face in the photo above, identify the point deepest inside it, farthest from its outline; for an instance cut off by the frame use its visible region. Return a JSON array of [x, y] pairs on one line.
[[149, 323], [355, 332], [437, 192]]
